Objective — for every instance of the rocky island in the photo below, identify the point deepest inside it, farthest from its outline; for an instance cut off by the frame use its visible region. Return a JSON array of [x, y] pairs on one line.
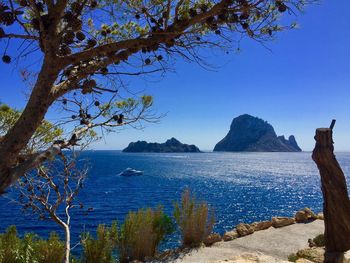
[[252, 134], [171, 145]]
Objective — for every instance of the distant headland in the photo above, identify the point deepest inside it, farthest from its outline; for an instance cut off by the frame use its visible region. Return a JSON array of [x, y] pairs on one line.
[[252, 134], [171, 145]]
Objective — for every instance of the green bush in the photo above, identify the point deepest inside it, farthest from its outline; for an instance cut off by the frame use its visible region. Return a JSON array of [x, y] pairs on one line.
[[100, 249], [193, 219], [30, 249], [51, 250], [137, 238], [10, 246], [319, 240], [141, 234], [293, 257]]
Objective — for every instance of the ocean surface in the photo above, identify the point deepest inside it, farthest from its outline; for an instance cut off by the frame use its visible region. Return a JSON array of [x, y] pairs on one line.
[[240, 187]]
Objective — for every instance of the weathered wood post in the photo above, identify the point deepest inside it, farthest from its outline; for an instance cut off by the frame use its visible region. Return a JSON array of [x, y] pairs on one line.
[[336, 203]]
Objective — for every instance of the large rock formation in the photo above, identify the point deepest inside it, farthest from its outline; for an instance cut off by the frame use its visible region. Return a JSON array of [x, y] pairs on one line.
[[251, 134], [171, 145]]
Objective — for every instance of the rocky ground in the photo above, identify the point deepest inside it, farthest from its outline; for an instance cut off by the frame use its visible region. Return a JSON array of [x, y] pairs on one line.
[[270, 246], [265, 242]]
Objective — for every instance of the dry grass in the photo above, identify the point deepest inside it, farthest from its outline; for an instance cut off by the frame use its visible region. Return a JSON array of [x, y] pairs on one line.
[[141, 234], [100, 249], [194, 220]]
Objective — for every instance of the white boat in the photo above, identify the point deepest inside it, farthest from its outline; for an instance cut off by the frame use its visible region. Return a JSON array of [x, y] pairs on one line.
[[130, 172]]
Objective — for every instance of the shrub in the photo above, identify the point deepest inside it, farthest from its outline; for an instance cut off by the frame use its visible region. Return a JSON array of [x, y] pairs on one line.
[[193, 219], [30, 249], [293, 257], [100, 249], [312, 254], [51, 250], [319, 240], [10, 246], [142, 233]]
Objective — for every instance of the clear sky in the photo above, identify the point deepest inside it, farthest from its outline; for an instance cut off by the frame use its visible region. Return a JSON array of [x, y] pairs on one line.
[[300, 84]]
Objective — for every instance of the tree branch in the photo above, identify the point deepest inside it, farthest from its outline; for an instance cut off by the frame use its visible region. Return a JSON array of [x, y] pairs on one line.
[[20, 36], [138, 43]]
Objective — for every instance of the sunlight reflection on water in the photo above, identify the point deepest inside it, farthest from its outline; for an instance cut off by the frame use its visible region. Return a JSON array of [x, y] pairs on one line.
[[241, 187]]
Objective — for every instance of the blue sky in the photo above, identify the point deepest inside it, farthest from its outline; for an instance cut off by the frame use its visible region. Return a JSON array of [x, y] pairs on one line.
[[300, 84]]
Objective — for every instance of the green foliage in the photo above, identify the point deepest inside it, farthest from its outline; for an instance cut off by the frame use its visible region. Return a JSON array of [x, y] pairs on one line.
[[100, 249], [308, 253], [129, 108], [142, 232], [30, 249], [45, 134], [314, 255], [8, 118], [147, 101], [137, 238], [320, 240], [293, 257], [51, 250], [10, 246], [264, 16], [193, 219], [131, 103], [133, 16]]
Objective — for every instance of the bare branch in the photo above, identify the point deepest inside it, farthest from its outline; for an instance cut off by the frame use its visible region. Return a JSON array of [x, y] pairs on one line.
[[20, 36]]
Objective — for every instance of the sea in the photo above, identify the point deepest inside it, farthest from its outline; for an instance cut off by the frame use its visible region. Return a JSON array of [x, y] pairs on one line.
[[239, 187]]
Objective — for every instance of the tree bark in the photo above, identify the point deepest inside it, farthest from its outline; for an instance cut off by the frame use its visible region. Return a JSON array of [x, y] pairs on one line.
[[67, 244], [19, 135], [66, 228], [336, 203], [41, 97]]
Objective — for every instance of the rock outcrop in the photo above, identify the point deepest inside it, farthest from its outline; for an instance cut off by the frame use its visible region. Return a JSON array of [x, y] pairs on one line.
[[171, 145], [252, 134], [282, 221], [211, 239], [258, 226], [244, 229], [305, 215], [230, 235]]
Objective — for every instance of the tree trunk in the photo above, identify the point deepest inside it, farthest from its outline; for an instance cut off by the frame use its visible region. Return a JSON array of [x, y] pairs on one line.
[[66, 228], [336, 203], [19, 135], [67, 244]]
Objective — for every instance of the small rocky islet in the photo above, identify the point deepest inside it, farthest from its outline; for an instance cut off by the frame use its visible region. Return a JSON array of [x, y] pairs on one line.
[[246, 134], [252, 134], [170, 146]]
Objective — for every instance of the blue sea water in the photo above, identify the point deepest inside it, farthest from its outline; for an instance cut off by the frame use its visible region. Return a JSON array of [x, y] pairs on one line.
[[240, 187]]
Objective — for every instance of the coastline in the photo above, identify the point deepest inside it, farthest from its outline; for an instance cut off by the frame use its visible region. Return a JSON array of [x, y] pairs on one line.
[[269, 241]]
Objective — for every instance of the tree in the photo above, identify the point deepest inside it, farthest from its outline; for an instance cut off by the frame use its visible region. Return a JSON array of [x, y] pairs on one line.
[[336, 202], [85, 45], [51, 192]]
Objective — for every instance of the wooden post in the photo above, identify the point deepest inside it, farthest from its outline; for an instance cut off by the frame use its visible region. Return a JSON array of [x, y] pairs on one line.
[[336, 203]]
